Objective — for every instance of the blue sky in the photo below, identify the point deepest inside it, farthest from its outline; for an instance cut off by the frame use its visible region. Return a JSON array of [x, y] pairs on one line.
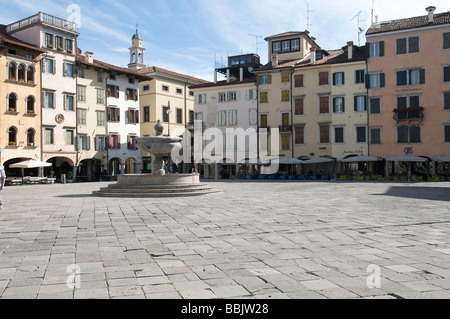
[[188, 36]]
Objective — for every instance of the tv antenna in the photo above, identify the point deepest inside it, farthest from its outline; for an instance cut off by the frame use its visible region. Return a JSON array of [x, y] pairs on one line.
[[371, 12], [360, 30], [256, 40], [307, 16]]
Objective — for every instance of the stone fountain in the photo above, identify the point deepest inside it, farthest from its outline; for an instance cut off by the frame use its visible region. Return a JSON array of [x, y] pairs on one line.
[[158, 183]]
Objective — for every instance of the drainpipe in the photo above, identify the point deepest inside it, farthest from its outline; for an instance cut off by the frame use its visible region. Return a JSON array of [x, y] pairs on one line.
[[106, 124], [292, 111], [185, 116], [75, 169]]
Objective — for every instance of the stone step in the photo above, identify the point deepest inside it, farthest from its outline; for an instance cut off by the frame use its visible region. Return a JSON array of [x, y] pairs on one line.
[[153, 193], [160, 187]]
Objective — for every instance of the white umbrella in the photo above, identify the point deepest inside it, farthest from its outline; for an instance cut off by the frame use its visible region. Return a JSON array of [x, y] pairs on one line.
[[443, 159], [318, 160], [288, 161], [407, 158], [30, 164], [361, 158]]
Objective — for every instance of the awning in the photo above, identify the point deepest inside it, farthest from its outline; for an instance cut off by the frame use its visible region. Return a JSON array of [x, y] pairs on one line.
[[319, 160], [361, 158], [288, 161], [30, 164], [445, 158], [407, 158]]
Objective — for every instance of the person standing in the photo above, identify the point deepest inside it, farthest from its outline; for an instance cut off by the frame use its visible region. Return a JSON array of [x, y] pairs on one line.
[[2, 183]]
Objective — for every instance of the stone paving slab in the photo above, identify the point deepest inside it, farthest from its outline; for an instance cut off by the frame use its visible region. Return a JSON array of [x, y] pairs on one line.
[[269, 240]]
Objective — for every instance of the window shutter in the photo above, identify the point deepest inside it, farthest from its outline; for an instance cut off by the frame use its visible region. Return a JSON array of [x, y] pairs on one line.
[[258, 80], [334, 105], [367, 49], [108, 116], [136, 114], [334, 78], [118, 114], [118, 142], [381, 48], [54, 67], [343, 78], [367, 80], [64, 69], [401, 78], [382, 80], [74, 70], [269, 79], [422, 76], [299, 106], [447, 74], [324, 104], [117, 92]]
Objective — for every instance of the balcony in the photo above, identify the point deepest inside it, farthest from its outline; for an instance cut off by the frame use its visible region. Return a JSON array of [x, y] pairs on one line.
[[43, 18], [409, 114], [285, 128]]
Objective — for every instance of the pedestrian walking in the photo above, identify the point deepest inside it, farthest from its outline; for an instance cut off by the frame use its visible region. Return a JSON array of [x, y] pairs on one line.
[[2, 183]]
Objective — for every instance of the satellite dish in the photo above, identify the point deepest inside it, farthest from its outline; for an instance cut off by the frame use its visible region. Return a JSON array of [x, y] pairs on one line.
[[250, 69]]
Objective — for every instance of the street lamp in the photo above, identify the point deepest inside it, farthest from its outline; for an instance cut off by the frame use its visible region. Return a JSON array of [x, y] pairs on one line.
[[168, 129], [168, 117]]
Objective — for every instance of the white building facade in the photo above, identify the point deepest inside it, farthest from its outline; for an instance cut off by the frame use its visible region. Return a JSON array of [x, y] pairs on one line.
[[228, 111], [59, 85]]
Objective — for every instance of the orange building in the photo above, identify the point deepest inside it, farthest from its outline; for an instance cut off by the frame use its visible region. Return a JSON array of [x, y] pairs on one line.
[[408, 85]]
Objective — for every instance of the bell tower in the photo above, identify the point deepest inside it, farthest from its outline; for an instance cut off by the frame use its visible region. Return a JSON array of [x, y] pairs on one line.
[[136, 52]]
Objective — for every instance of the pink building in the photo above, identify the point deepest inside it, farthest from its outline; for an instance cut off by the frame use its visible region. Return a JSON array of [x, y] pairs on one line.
[[408, 82]]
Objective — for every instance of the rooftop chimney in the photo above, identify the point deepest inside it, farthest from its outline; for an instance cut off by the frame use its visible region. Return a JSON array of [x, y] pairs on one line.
[[274, 59], [430, 11], [350, 49], [313, 55], [89, 57]]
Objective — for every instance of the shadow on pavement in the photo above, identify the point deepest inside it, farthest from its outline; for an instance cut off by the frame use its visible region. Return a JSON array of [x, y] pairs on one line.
[[427, 193]]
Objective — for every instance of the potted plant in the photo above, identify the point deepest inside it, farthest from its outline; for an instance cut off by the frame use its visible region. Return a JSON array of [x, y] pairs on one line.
[[69, 175]]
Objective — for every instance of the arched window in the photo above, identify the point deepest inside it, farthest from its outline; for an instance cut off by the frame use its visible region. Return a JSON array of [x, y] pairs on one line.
[[140, 57], [12, 71], [133, 58], [12, 102], [12, 136], [30, 74], [31, 134], [21, 73], [31, 104]]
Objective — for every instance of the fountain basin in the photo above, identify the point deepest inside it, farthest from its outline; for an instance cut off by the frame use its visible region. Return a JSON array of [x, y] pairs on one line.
[[149, 179]]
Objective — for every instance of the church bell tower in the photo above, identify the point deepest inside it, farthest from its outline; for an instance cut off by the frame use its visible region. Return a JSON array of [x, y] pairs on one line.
[[136, 52]]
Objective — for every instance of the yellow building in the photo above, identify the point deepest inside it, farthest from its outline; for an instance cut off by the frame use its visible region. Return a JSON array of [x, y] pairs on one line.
[[274, 82], [20, 112], [329, 101], [165, 98]]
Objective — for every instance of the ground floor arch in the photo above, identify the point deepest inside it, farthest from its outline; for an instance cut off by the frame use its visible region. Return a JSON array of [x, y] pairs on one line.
[[60, 166]]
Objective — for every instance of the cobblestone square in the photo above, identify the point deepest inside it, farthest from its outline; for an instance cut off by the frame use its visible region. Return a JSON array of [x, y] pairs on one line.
[[272, 239]]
